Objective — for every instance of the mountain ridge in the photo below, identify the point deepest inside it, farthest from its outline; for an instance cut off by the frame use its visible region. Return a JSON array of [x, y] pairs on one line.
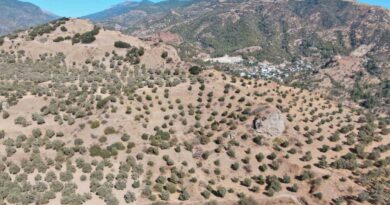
[[209, 24], [20, 15]]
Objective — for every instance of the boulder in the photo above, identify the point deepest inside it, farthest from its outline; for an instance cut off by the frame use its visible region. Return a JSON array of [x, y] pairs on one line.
[[4, 106], [268, 121]]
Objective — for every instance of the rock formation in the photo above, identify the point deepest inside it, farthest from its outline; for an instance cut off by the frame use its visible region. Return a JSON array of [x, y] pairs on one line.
[[268, 121]]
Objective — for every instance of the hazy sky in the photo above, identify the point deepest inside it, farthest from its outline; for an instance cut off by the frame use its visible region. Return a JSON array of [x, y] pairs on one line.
[[77, 8]]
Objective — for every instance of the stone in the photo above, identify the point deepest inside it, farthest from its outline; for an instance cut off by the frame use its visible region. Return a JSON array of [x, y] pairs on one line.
[[268, 121], [4, 106]]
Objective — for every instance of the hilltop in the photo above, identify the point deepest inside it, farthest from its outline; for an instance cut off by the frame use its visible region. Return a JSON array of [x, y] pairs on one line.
[[79, 41]]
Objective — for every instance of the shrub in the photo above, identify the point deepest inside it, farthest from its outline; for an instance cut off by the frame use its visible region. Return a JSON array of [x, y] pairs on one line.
[[95, 124], [87, 38], [40, 30], [270, 100], [39, 119], [293, 188], [97, 151], [246, 182], [101, 103], [164, 195], [220, 192], [125, 137], [129, 197], [195, 70], [184, 196], [171, 187], [109, 130], [2, 134], [206, 194], [21, 121], [36, 133], [76, 38], [259, 157], [13, 169], [56, 186], [121, 44], [58, 39], [371, 67], [247, 201], [164, 55], [120, 184]]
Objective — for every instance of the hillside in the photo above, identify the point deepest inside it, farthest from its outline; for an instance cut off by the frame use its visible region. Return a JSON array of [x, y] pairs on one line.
[[79, 41], [303, 43], [17, 15], [93, 116], [281, 30]]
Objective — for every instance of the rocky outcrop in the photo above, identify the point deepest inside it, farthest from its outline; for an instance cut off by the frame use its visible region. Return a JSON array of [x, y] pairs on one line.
[[268, 121]]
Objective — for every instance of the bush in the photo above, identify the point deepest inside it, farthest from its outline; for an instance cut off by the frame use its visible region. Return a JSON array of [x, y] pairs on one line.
[[40, 30], [95, 124], [87, 38], [171, 187], [21, 121], [36, 133], [56, 186], [220, 192], [58, 39], [109, 130], [293, 188], [247, 201], [125, 137], [129, 197], [371, 67], [121, 44], [164, 195], [38, 118], [270, 100], [5, 114], [184, 196], [76, 38], [164, 55], [195, 70], [97, 151]]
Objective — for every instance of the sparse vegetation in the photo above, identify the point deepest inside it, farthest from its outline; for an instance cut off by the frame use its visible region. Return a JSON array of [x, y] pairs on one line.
[[112, 129]]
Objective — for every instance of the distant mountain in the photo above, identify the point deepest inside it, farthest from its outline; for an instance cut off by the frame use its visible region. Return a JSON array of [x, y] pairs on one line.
[[128, 14], [16, 15], [276, 30], [113, 11]]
